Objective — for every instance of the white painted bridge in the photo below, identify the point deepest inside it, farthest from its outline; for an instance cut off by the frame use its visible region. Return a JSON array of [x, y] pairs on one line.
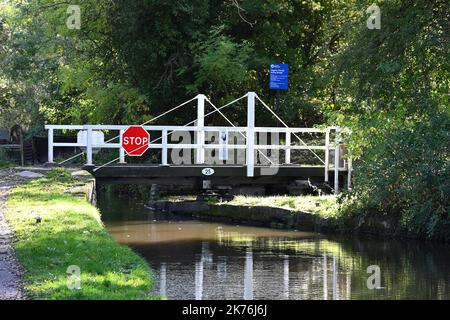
[[250, 141]]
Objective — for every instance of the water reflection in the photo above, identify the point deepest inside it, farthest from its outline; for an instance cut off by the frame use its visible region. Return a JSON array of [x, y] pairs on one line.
[[200, 260], [286, 277], [162, 279], [248, 275], [325, 278], [199, 280]]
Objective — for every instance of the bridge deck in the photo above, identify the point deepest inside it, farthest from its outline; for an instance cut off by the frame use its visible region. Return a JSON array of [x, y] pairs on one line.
[[230, 174]]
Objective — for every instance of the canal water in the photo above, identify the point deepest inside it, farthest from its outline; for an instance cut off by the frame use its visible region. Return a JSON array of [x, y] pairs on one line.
[[194, 259]]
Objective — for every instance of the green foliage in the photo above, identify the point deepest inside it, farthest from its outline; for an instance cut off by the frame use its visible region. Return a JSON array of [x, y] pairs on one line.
[[223, 64], [135, 59], [394, 86]]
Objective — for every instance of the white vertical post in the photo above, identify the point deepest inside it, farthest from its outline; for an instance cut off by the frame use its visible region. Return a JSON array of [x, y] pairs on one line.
[[288, 151], [250, 133], [336, 163], [164, 148], [349, 174], [121, 150], [327, 154], [89, 147], [200, 155], [50, 145]]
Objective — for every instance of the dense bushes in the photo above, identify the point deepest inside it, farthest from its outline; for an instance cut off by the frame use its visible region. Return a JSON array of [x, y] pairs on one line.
[[396, 81], [407, 175]]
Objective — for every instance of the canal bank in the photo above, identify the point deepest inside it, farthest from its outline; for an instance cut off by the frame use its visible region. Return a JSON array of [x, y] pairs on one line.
[[58, 233], [324, 213], [305, 213]]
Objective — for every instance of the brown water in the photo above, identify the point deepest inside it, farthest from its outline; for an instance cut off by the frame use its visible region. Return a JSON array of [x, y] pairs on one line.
[[202, 260]]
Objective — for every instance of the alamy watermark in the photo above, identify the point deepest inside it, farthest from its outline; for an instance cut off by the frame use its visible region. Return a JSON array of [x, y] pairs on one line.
[[374, 20], [374, 280], [73, 277], [74, 20]]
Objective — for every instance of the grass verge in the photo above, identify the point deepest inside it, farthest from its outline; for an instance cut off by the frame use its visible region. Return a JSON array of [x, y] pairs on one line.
[[323, 206], [71, 233]]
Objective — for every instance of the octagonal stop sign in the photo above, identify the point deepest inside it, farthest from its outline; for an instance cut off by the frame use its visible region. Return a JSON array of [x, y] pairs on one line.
[[135, 141]]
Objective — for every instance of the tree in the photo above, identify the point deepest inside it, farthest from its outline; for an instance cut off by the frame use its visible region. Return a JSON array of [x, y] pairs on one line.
[[392, 87], [132, 60]]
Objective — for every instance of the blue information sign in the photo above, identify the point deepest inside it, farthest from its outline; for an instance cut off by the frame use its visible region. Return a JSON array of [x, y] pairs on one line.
[[279, 76]]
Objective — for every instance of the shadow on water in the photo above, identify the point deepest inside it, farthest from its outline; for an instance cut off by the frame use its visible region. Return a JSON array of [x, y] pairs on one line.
[[203, 260]]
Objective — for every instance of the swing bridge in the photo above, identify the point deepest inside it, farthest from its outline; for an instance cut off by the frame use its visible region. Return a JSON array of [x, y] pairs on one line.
[[259, 162]]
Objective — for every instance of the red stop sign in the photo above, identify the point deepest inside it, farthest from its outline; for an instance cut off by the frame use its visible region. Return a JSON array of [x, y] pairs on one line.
[[135, 141]]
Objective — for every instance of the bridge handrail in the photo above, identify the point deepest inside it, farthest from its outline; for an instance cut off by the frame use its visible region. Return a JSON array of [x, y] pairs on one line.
[[165, 145]]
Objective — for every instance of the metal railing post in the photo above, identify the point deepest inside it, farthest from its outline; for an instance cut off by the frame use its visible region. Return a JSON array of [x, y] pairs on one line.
[[50, 146], [288, 151], [200, 134], [164, 148], [250, 133], [121, 150], [89, 147]]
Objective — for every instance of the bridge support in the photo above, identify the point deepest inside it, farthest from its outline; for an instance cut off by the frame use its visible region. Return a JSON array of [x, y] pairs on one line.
[[200, 154], [89, 147], [288, 151], [121, 150], [50, 146], [251, 97], [164, 148]]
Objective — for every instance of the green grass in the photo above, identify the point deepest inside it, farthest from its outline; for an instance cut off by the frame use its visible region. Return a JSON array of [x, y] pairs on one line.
[[71, 233], [324, 206]]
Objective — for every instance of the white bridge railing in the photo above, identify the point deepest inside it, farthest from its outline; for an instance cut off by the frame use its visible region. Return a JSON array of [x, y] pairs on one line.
[[90, 142]]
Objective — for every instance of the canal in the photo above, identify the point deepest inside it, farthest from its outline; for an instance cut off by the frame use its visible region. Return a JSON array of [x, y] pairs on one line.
[[194, 259]]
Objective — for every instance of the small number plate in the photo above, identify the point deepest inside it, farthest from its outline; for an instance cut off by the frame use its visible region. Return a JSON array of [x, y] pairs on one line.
[[208, 171]]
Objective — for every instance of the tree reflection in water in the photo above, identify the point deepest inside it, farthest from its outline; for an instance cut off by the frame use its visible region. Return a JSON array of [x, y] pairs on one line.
[[200, 260]]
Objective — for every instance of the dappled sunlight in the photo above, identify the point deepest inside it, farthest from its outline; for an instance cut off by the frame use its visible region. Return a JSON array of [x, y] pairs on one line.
[[325, 206]]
